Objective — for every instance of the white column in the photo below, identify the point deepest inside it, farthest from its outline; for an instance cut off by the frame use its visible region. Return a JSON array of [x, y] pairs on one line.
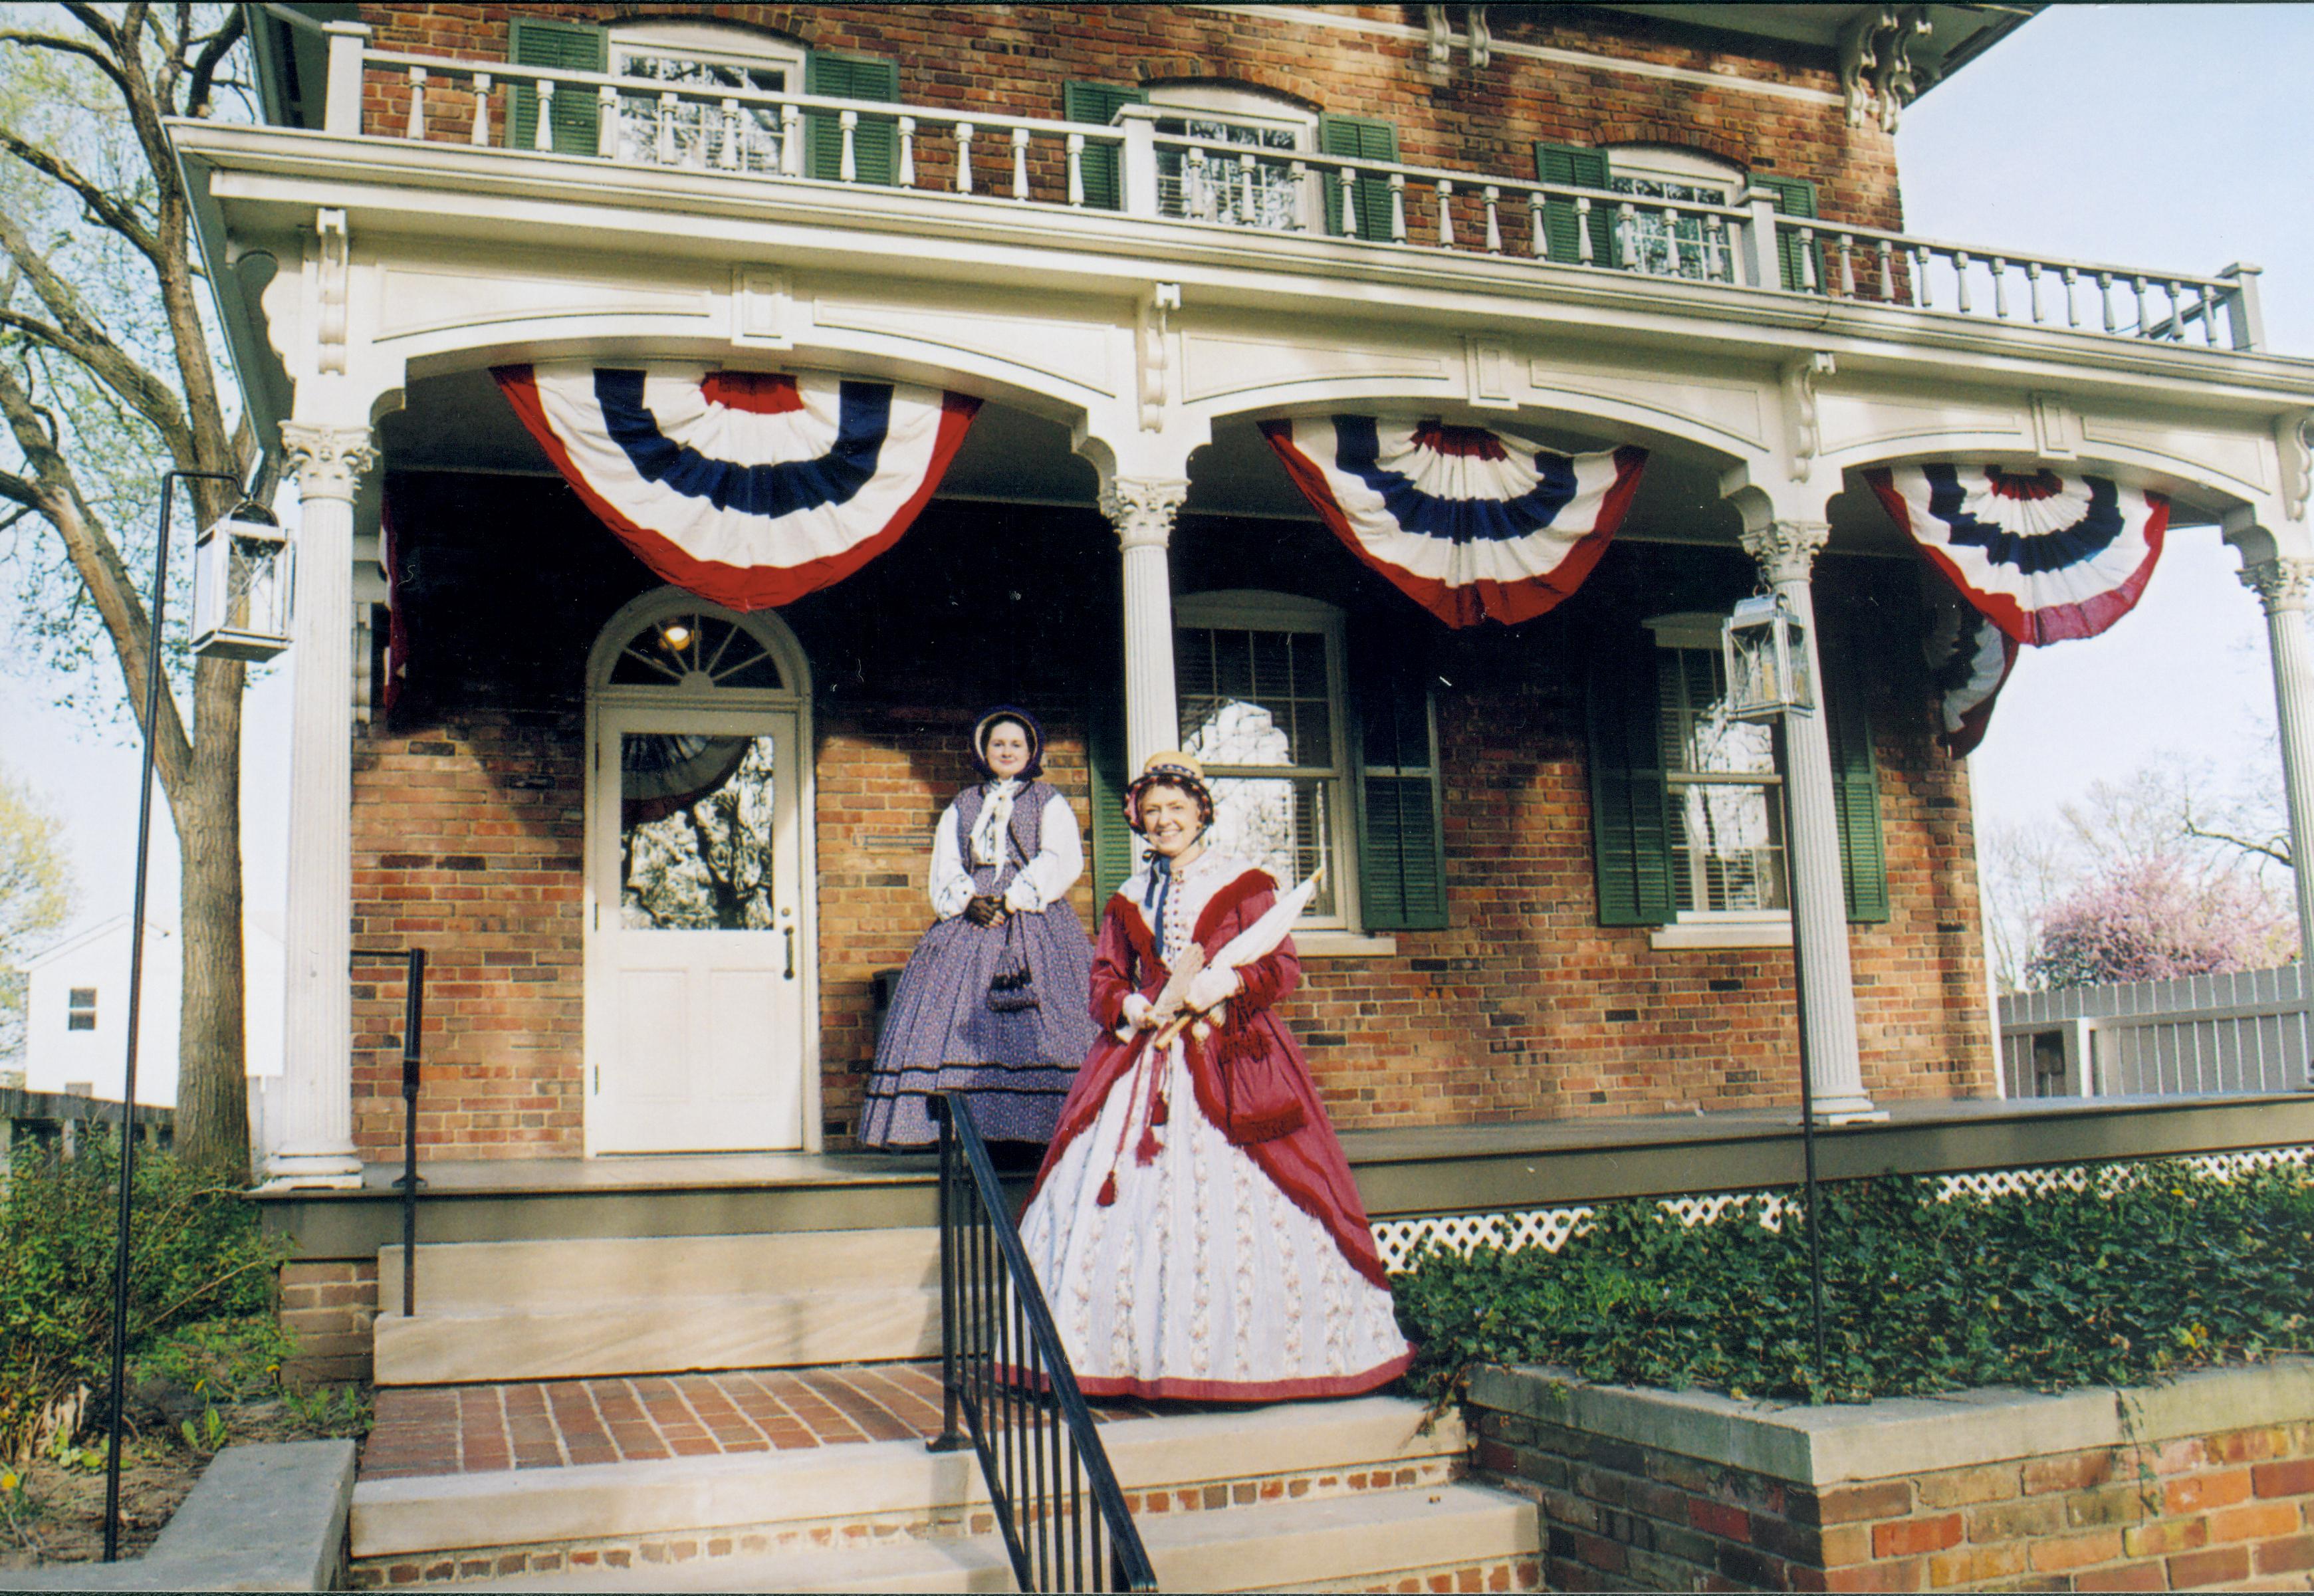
[[1141, 510], [2284, 585], [1786, 550], [317, 1147]]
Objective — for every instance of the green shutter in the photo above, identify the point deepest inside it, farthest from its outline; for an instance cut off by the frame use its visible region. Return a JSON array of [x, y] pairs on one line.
[[1795, 196], [1401, 843], [1359, 138], [1105, 762], [1579, 168], [1104, 186], [572, 47], [1855, 789], [1630, 834], [875, 142]]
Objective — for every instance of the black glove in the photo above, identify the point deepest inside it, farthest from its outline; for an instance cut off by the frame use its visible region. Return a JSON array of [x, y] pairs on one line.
[[984, 911]]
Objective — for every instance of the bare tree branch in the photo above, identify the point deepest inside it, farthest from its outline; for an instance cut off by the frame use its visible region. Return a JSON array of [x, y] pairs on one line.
[[76, 333], [213, 50], [2277, 850], [93, 19], [74, 46], [101, 205], [21, 490]]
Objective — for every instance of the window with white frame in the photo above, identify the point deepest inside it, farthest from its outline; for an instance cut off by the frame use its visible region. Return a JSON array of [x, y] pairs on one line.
[[1727, 831], [1254, 186], [1674, 244], [689, 130], [1259, 679]]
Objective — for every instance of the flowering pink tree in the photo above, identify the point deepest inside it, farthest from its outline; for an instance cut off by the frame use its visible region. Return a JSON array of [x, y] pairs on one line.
[[2148, 919]]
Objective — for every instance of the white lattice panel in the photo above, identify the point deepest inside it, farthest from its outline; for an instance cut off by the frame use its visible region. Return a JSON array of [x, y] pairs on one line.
[[1401, 1241]]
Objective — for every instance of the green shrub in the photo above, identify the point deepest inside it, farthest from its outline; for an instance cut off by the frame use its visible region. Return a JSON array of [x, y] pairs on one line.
[[197, 1256], [2155, 1270]]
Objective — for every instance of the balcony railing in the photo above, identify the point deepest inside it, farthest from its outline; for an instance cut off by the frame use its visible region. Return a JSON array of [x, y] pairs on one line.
[[1208, 184]]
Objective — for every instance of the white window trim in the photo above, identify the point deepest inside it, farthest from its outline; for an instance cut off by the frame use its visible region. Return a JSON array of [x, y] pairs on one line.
[[1671, 162], [1251, 108], [1338, 934], [1718, 927], [706, 42]]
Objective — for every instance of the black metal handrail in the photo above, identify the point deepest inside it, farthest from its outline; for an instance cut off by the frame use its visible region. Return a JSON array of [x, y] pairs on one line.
[[1007, 1377]]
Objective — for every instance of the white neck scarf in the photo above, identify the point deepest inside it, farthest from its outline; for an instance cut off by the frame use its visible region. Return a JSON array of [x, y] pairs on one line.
[[988, 832]]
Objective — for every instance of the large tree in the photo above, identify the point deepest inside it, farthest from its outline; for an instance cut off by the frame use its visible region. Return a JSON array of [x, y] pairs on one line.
[[107, 378]]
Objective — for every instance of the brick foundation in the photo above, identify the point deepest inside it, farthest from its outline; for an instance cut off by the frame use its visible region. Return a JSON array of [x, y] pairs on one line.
[[2146, 1510], [328, 1307]]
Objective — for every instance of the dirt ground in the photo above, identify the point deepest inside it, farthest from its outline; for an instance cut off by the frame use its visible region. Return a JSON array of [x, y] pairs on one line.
[[55, 1512]]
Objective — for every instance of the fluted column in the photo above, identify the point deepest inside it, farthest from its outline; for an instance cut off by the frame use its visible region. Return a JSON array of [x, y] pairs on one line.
[[2285, 586], [1141, 510], [1786, 551], [317, 1147]]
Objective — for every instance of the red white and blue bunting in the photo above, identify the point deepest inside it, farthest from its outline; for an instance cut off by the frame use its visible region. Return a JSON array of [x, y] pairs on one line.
[[1969, 662], [749, 490], [1470, 522], [2044, 557]]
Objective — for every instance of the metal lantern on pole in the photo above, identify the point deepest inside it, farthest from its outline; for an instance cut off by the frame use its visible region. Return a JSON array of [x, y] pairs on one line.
[[241, 573], [1765, 648]]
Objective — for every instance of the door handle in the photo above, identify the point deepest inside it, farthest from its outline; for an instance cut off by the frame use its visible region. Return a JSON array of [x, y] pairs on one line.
[[791, 970]]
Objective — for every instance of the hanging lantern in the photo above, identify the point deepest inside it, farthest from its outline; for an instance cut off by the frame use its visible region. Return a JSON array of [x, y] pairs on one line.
[[242, 587], [1766, 650]]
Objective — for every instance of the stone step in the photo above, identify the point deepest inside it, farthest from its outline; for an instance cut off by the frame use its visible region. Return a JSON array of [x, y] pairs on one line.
[[647, 1333], [715, 1508], [1453, 1536], [461, 1275]]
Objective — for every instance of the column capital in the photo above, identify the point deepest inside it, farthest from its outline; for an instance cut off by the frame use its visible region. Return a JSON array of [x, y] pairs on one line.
[[1785, 550], [2281, 584], [330, 460], [1142, 509]]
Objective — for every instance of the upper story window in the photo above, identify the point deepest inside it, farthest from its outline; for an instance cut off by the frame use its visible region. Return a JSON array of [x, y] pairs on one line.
[[1660, 173], [1221, 187], [79, 1009], [691, 132]]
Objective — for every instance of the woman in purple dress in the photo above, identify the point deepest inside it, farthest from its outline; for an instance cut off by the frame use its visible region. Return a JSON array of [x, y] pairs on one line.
[[993, 1004]]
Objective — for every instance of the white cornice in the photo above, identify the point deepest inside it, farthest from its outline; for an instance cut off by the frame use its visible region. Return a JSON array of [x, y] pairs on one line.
[[1315, 17]]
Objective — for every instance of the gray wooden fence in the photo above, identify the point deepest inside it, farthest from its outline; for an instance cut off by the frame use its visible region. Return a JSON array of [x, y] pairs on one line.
[[2245, 1031]]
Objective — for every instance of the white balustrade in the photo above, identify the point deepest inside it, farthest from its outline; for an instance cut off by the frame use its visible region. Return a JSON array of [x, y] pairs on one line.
[[964, 135]]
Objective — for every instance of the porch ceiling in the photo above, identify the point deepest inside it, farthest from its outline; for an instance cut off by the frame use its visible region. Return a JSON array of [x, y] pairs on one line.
[[459, 422]]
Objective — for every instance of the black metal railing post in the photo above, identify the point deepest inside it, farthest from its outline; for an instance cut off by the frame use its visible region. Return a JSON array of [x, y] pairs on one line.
[[413, 1022], [1007, 1377]]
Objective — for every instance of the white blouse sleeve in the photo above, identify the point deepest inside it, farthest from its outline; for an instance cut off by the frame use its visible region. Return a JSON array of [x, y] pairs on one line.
[[949, 882], [1046, 878]]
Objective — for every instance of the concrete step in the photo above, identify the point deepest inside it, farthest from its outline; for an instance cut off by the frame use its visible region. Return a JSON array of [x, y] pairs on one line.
[[1171, 1468], [1470, 1537], [650, 1333], [461, 1275]]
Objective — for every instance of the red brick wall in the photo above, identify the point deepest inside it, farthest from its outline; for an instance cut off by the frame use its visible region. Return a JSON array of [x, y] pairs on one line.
[[2233, 1508], [1015, 59], [468, 808]]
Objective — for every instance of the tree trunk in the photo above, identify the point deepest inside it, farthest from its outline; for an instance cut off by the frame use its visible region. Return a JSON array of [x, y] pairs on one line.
[[212, 1082]]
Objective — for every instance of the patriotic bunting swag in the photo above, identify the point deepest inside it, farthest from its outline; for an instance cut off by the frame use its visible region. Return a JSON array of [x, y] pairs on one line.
[[1469, 522], [749, 490], [2043, 558]]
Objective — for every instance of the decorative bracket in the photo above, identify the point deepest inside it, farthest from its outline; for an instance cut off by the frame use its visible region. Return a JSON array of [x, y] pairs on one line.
[[1482, 40], [2054, 428], [1491, 372], [1442, 37], [1875, 62], [2297, 452], [335, 264], [763, 307], [1151, 344], [1800, 428]]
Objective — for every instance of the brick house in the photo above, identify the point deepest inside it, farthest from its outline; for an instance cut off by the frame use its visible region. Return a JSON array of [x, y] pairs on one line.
[[1133, 234]]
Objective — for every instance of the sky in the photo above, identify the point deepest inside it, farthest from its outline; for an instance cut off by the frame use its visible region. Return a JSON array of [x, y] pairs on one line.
[[2159, 135]]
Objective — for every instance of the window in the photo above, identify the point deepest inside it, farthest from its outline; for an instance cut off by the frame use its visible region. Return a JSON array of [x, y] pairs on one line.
[[1727, 805], [1261, 192], [1259, 679], [1680, 245], [1687, 817], [694, 132], [79, 1009]]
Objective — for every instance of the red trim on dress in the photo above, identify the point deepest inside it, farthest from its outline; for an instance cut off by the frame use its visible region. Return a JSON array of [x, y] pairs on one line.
[[1271, 1390], [735, 587]]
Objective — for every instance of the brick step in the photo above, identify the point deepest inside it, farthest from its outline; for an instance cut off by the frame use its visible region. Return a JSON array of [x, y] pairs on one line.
[[1452, 1537], [860, 1497], [649, 1334], [498, 1310]]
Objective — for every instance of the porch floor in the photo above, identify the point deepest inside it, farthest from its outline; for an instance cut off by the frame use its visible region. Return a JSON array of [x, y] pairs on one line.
[[432, 1431]]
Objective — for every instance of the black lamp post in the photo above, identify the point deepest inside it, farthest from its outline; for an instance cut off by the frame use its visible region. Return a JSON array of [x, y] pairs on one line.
[[135, 991]]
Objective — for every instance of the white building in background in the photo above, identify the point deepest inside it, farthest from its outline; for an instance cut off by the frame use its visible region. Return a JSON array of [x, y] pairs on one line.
[[76, 1010]]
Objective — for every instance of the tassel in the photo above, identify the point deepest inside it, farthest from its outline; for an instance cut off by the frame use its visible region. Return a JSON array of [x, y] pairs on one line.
[[1159, 1113], [1146, 1150], [1107, 1196]]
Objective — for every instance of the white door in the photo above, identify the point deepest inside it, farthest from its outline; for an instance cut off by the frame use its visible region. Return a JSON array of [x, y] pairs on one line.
[[696, 950]]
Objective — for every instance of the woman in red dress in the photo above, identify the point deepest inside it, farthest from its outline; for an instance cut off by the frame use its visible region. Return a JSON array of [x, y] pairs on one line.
[[1195, 1226]]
